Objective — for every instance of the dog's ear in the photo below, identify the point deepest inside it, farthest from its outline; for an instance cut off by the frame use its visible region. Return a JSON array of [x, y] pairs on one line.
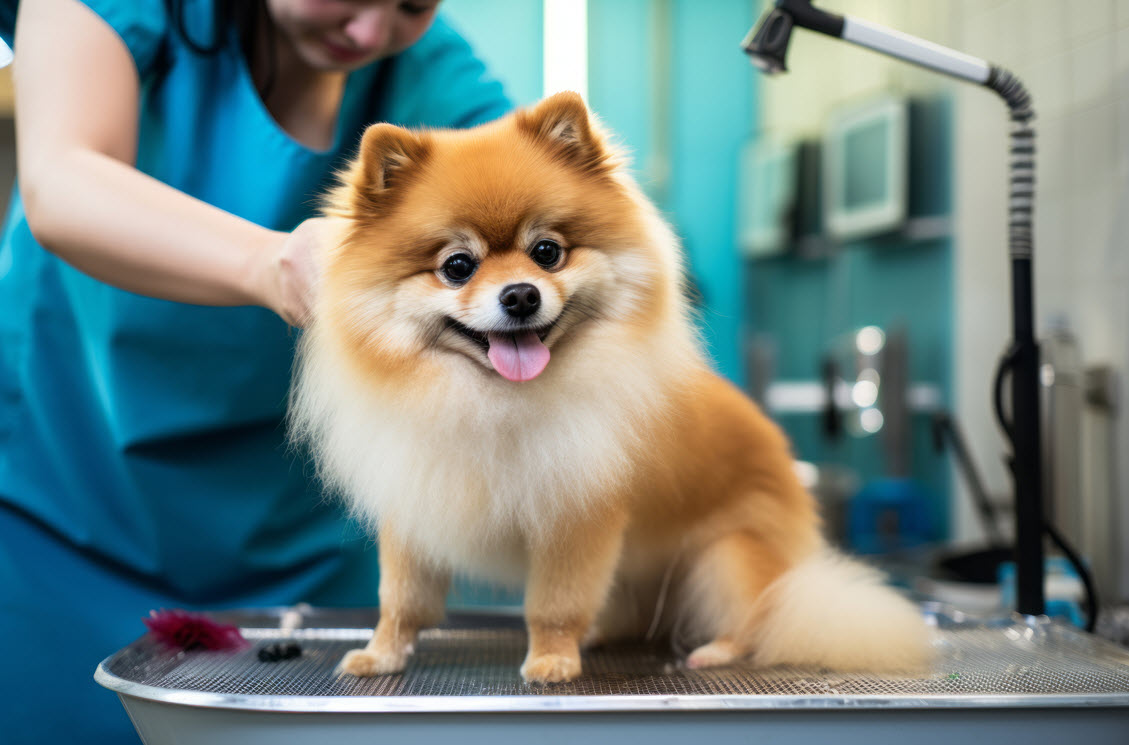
[[561, 122], [389, 153], [389, 157]]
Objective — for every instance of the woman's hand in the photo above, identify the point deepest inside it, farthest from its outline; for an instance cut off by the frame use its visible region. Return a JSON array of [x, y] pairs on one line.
[[86, 202], [288, 275]]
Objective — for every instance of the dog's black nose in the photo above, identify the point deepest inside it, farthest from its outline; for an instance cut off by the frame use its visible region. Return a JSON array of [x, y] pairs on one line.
[[520, 300]]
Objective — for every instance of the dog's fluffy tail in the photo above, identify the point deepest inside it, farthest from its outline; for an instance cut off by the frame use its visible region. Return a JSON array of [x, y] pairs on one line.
[[832, 611]]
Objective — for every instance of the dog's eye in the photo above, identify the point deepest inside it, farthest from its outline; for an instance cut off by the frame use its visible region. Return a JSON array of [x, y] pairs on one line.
[[546, 253], [458, 268]]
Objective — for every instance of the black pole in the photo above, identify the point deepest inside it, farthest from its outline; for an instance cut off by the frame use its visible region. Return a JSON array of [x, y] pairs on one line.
[[1026, 439], [1023, 357]]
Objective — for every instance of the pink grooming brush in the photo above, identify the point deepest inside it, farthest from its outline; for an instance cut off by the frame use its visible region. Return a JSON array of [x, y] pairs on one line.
[[183, 630]]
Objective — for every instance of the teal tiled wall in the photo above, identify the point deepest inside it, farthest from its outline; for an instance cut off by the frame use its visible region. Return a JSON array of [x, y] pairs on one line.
[[669, 78], [507, 36], [804, 305]]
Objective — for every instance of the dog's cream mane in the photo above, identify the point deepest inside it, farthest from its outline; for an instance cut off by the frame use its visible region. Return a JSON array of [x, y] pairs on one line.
[[468, 465]]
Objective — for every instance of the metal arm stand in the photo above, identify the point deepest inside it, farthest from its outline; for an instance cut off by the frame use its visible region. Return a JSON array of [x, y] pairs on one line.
[[767, 45], [1022, 359]]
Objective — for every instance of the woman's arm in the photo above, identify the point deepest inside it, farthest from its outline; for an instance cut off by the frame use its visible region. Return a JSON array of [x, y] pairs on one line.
[[77, 103]]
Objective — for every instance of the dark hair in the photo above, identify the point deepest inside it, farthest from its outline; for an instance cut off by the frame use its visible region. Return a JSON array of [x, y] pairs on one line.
[[240, 17]]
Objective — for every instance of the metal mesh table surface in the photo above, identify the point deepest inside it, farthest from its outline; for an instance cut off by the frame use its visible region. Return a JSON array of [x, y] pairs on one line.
[[472, 663]]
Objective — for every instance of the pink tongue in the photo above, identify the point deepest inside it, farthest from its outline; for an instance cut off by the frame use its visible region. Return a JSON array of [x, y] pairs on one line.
[[517, 357]]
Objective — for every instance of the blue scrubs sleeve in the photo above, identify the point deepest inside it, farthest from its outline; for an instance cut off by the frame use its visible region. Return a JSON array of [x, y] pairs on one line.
[[141, 24]]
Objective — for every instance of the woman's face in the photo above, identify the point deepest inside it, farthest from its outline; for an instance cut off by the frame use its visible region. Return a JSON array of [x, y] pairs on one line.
[[343, 35]]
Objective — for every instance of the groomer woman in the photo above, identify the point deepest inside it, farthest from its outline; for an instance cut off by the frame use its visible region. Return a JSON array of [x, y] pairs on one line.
[[155, 258]]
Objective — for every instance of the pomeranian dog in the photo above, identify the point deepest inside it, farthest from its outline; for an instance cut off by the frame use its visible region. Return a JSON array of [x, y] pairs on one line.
[[503, 379]]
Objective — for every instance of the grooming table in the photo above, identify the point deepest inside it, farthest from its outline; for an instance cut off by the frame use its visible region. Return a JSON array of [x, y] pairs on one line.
[[1017, 680]]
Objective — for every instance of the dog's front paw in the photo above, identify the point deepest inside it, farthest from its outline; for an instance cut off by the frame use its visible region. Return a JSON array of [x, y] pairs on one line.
[[550, 668], [365, 663], [715, 654]]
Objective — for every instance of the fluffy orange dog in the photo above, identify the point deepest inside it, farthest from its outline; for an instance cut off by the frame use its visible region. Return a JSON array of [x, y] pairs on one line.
[[502, 377]]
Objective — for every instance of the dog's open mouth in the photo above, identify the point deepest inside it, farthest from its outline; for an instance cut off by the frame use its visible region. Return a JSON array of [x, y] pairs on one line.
[[519, 355]]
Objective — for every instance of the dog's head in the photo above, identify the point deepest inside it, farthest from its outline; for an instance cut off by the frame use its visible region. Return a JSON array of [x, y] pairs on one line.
[[496, 246]]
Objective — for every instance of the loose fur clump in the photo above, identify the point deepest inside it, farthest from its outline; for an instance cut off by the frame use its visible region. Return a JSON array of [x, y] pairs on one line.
[[502, 379]]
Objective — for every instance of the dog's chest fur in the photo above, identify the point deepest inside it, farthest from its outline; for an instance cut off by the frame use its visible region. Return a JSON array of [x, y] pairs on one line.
[[469, 472]]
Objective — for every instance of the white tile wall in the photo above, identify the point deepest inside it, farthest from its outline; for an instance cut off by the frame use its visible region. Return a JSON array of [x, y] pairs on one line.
[[1123, 134], [1052, 216], [1076, 64], [1091, 65], [1121, 62], [1050, 83], [1091, 176], [1046, 20], [1088, 17]]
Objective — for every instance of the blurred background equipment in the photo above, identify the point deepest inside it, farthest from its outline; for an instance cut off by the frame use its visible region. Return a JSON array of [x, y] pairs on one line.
[[767, 45], [865, 169]]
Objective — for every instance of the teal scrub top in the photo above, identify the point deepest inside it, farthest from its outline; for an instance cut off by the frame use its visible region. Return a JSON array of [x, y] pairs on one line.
[[143, 453], [151, 433]]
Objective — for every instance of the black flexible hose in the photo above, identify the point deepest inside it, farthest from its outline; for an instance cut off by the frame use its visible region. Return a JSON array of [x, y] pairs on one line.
[[1021, 202], [1021, 196], [1056, 537], [1002, 370], [1023, 356], [1083, 574]]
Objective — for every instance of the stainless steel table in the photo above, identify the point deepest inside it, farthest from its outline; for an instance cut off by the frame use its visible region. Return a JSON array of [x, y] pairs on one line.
[[1017, 680]]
